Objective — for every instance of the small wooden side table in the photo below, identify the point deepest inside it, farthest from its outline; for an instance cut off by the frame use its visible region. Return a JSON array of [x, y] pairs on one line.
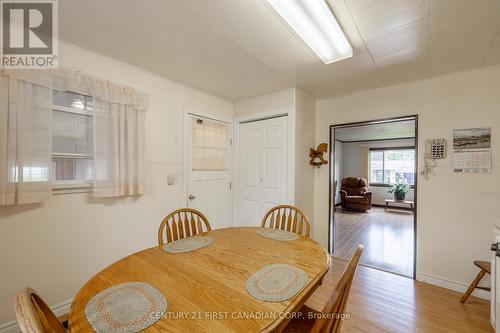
[[407, 202]]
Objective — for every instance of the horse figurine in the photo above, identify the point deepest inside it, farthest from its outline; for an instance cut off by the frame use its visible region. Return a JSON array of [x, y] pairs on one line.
[[318, 154]]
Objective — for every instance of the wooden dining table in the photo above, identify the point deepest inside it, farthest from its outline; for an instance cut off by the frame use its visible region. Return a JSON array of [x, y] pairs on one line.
[[205, 288]]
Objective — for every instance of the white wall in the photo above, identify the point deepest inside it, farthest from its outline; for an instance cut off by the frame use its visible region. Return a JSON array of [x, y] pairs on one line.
[[304, 140], [282, 99], [339, 168], [57, 246], [455, 211], [379, 194], [352, 161]]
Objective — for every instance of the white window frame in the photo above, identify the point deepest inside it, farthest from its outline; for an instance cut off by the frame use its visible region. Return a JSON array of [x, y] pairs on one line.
[[72, 186]]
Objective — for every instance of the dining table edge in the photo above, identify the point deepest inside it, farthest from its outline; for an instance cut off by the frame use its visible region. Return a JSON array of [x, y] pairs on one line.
[[279, 325]]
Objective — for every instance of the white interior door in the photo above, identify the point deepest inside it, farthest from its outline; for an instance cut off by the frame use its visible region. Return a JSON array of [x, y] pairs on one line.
[[262, 168], [210, 169]]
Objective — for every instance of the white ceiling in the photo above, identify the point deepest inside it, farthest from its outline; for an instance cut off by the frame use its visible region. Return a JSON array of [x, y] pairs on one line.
[[373, 132], [237, 48]]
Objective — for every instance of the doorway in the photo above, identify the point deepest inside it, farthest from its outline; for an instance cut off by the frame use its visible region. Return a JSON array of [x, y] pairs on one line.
[[370, 160], [209, 164]]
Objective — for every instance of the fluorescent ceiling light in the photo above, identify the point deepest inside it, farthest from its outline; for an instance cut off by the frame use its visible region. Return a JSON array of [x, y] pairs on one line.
[[314, 22]]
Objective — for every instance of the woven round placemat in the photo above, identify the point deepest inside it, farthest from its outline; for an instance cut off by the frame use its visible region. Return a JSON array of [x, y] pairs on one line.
[[277, 234], [125, 308], [187, 244], [276, 282]]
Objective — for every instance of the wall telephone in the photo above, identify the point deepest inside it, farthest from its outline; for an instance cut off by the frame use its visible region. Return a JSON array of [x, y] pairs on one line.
[[435, 149]]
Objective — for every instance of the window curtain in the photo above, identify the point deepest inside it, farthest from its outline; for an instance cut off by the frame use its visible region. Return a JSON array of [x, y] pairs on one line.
[[119, 149], [25, 141], [210, 140], [119, 113], [366, 160]]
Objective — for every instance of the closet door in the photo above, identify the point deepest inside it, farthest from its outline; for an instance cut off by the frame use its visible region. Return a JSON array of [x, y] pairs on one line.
[[262, 168]]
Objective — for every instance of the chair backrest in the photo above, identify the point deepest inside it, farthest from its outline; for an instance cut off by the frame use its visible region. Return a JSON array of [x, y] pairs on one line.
[[34, 316], [289, 218], [182, 223], [354, 185], [337, 302]]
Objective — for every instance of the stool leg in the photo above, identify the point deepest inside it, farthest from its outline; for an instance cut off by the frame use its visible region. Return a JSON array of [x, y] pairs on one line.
[[473, 285]]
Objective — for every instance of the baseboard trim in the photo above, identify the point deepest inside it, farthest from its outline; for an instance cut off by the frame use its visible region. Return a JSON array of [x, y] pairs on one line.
[[59, 310], [452, 285]]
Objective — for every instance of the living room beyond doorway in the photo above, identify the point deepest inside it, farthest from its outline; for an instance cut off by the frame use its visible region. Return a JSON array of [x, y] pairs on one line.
[[373, 192]]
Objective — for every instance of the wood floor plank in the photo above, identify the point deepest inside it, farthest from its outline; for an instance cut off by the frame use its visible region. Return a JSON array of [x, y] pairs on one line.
[[386, 236], [384, 302]]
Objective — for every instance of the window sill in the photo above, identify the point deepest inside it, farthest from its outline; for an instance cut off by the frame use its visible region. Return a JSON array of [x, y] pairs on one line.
[[71, 187], [385, 185]]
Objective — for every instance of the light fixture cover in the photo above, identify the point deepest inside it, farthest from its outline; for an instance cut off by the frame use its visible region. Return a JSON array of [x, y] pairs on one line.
[[313, 22]]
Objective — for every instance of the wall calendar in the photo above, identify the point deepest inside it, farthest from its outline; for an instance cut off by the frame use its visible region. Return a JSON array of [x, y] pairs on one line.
[[472, 150]]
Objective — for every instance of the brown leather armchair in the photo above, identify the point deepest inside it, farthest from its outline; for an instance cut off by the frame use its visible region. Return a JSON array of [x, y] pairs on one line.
[[354, 194]]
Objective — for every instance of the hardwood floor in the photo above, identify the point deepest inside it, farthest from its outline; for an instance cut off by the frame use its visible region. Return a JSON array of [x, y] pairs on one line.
[[386, 236], [384, 302]]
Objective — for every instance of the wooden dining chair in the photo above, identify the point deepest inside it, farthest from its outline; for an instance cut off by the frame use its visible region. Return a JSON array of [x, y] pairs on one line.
[[330, 319], [182, 223], [34, 316], [485, 267], [289, 218]]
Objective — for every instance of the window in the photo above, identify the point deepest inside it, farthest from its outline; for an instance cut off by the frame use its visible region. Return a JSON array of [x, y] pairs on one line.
[[72, 140], [210, 145], [388, 165]]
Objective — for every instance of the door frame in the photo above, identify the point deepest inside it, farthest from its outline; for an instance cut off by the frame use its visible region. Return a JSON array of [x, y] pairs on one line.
[[331, 179], [187, 157], [282, 112]]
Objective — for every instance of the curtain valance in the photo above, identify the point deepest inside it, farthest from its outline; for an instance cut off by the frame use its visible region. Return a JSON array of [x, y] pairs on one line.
[[81, 83]]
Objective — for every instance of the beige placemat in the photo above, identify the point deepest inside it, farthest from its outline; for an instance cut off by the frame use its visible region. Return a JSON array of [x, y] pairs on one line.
[[277, 234], [276, 282], [125, 308], [187, 244]]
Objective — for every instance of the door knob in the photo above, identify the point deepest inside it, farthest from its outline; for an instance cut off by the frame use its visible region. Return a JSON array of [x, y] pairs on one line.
[[191, 197], [494, 247]]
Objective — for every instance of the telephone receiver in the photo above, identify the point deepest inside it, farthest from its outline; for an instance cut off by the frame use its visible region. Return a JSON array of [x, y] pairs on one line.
[[435, 149]]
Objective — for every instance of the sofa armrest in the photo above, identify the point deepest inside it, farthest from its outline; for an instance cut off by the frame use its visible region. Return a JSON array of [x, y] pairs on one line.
[[343, 195], [368, 195]]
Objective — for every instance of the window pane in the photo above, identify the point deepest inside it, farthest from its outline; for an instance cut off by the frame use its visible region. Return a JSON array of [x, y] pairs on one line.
[[210, 141], [391, 165], [29, 174], [79, 169], [376, 166], [399, 164], [72, 133], [71, 100]]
